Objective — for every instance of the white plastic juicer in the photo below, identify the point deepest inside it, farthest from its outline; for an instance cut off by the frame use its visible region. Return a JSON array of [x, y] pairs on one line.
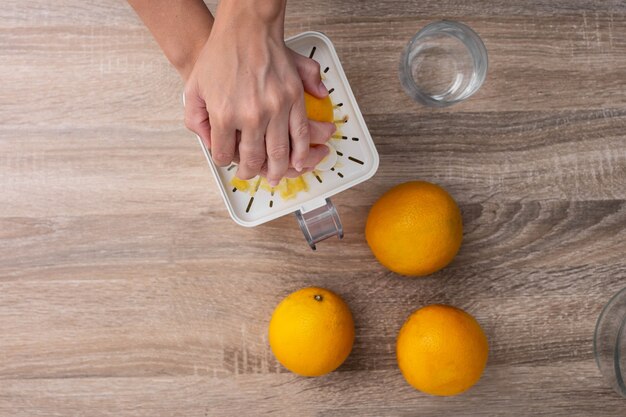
[[356, 159]]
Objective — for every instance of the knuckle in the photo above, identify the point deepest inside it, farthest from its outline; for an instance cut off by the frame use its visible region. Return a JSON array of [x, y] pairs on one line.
[[277, 101], [253, 117], [249, 149], [301, 130], [279, 152], [313, 67], [294, 90], [224, 117], [254, 163]]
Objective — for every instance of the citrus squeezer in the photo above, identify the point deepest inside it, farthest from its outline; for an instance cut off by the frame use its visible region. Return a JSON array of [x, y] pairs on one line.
[[352, 159]]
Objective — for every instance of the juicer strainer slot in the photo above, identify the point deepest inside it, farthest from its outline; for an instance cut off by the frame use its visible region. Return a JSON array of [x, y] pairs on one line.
[[250, 204]]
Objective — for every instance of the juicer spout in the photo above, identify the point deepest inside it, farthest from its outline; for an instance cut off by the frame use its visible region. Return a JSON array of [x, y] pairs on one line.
[[319, 222]]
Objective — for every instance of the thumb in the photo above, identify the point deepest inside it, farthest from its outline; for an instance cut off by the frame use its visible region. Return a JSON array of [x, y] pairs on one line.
[[309, 71]]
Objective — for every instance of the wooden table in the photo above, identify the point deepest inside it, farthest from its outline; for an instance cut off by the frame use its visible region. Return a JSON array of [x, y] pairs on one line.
[[126, 290]]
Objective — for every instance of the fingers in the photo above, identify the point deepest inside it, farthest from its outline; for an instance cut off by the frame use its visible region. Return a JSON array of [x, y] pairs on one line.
[[197, 117], [277, 143], [299, 132], [316, 154], [309, 71], [251, 153], [320, 132], [223, 137]]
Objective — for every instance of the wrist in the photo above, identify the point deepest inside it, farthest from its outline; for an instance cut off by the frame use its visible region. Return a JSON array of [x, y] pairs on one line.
[[184, 58], [253, 15]]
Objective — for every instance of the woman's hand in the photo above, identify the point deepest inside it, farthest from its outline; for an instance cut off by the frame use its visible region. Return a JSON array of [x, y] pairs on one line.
[[244, 96]]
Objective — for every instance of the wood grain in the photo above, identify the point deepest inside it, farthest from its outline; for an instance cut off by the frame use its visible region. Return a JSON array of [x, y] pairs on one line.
[[125, 289]]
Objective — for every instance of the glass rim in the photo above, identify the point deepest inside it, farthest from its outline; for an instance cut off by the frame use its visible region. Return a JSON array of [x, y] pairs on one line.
[[475, 39]]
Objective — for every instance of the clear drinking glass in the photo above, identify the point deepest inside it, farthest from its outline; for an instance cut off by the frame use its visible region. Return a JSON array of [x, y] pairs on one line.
[[609, 342], [444, 63]]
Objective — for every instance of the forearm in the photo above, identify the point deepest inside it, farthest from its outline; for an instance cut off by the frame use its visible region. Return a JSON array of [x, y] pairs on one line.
[[180, 27]]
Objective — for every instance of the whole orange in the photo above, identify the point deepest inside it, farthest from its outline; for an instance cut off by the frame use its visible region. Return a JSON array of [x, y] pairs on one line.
[[311, 331], [415, 228], [441, 350]]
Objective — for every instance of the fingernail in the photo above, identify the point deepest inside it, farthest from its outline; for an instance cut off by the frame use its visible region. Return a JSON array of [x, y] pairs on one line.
[[273, 183], [298, 166], [333, 129], [322, 89]]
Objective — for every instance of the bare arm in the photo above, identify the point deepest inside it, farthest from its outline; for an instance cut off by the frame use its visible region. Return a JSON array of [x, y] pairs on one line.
[[180, 27]]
